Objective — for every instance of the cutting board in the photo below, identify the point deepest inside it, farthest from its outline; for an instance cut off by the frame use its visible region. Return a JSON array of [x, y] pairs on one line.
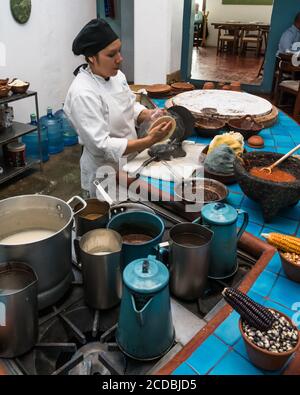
[[183, 167]]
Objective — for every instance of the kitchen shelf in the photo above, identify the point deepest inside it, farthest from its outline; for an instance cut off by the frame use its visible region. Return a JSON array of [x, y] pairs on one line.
[[11, 172], [16, 130], [16, 97]]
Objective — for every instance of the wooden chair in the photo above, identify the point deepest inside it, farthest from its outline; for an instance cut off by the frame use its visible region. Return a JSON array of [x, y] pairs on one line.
[[251, 40], [291, 86], [227, 41]]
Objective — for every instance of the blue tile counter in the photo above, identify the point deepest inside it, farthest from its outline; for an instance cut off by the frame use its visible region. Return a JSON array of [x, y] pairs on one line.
[[223, 352]]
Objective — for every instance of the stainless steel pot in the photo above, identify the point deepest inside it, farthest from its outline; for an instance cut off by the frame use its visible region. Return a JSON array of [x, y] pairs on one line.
[[18, 309], [99, 252], [50, 257], [189, 259], [95, 216]]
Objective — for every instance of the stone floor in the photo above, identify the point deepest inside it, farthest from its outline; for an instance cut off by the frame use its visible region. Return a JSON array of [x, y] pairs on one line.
[[208, 66], [60, 177]]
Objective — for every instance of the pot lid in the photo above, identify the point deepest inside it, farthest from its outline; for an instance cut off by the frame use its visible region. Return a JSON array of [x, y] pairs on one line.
[[146, 276], [219, 214]]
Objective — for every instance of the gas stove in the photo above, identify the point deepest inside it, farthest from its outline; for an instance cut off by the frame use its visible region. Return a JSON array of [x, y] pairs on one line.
[[77, 340]]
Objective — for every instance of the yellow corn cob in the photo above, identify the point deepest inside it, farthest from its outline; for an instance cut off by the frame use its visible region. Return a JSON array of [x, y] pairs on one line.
[[283, 242]]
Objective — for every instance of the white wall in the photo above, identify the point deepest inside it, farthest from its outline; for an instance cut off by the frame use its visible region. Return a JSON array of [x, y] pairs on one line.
[[176, 35], [41, 50], [219, 12], [158, 39]]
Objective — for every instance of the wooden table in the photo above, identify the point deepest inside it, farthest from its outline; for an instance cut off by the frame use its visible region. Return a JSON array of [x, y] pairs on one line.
[[240, 25]]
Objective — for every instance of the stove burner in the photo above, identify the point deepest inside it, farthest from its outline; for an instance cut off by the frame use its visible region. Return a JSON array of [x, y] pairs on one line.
[[91, 364]]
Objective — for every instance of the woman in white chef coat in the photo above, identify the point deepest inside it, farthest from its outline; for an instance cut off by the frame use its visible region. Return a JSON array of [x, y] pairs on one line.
[[102, 107]]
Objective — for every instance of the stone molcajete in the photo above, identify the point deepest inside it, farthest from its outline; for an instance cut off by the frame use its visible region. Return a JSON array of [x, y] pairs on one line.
[[272, 196]]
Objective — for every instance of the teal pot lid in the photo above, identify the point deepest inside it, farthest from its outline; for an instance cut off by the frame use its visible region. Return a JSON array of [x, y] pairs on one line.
[[219, 214], [146, 276]]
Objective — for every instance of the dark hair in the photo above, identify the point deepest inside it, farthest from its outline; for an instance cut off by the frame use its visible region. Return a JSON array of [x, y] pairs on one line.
[[297, 18]]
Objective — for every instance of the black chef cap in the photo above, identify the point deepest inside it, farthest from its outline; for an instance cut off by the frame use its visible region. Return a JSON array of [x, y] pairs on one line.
[[94, 37]]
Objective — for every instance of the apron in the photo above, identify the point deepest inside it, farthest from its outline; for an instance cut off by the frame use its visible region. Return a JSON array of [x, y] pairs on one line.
[[120, 117]]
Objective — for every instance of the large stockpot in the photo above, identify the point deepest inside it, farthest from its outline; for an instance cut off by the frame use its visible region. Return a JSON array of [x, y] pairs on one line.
[[51, 256], [18, 309]]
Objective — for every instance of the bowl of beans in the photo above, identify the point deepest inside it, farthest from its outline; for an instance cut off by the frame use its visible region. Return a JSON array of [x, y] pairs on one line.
[[291, 265]]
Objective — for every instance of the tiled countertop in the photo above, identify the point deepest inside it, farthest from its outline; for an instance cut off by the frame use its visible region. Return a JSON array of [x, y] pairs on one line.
[[224, 353]]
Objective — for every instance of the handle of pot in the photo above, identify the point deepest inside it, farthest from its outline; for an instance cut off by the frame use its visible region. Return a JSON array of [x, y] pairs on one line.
[[2, 314], [103, 193], [162, 253], [140, 314], [83, 202], [244, 225], [77, 250], [197, 220]]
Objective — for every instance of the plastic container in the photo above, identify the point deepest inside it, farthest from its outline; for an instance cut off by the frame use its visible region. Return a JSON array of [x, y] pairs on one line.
[[69, 133], [32, 142], [55, 133], [16, 154]]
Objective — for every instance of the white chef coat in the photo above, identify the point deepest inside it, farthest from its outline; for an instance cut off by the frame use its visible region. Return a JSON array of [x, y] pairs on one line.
[[104, 114]]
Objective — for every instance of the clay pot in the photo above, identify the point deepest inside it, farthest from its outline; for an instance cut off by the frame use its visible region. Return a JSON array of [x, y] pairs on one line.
[[226, 88], [209, 85], [264, 359], [291, 269], [220, 85], [235, 86]]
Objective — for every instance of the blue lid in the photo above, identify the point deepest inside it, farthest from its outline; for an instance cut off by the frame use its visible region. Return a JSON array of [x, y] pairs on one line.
[[146, 275], [219, 214]]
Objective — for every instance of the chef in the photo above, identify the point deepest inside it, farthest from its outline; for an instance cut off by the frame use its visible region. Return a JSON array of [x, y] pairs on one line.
[[102, 107]]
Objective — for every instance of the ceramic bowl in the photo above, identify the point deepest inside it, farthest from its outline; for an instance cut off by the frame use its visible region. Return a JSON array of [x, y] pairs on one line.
[[247, 126], [209, 127], [227, 179], [272, 196], [264, 359], [4, 81], [4, 90], [291, 269], [20, 89], [214, 191], [183, 86]]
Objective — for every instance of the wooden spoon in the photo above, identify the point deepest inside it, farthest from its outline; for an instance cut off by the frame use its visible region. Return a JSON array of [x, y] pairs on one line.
[[270, 168]]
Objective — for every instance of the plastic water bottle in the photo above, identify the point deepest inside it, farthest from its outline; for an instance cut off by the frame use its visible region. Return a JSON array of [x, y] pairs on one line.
[[32, 142], [55, 134], [69, 133]]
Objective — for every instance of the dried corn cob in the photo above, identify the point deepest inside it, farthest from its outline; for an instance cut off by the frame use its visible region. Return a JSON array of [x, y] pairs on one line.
[[253, 313], [283, 242]]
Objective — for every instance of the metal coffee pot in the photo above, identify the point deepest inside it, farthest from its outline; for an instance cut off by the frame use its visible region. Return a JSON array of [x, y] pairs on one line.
[[145, 329], [222, 220]]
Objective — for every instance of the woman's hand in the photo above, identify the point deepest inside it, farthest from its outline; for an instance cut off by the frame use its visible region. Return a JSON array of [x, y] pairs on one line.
[[159, 132]]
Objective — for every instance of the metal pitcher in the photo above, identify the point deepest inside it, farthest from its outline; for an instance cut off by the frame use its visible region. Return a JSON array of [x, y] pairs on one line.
[[18, 309], [145, 328], [189, 260], [222, 220], [99, 252]]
